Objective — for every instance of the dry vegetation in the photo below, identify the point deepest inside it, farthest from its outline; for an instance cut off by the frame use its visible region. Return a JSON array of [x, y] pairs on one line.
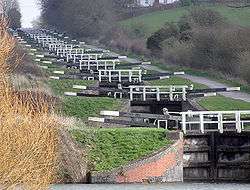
[[28, 132]]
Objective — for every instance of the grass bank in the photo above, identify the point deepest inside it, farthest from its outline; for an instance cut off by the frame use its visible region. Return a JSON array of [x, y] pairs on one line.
[[154, 21], [112, 148]]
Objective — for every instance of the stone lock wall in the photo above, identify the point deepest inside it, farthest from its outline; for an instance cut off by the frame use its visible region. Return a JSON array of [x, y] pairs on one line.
[[163, 166]]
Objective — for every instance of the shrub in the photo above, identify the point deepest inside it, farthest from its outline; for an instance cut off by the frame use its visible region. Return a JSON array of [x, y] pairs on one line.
[[154, 41], [202, 17], [245, 66], [180, 53]]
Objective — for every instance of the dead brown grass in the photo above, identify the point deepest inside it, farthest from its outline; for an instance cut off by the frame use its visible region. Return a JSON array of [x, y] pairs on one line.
[[28, 131]]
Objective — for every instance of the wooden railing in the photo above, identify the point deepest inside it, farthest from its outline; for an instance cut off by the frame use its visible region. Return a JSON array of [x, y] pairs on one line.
[[120, 75], [107, 64], [158, 93]]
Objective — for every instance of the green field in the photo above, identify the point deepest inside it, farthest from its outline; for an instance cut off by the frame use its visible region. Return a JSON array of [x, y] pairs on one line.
[[81, 107], [112, 148], [221, 103], [153, 21]]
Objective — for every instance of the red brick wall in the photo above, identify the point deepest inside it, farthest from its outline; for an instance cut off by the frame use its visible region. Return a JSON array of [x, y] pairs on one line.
[[154, 168], [165, 165]]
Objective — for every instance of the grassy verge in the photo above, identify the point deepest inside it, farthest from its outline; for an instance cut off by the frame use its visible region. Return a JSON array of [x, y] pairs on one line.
[[81, 107], [112, 148], [66, 85], [221, 103]]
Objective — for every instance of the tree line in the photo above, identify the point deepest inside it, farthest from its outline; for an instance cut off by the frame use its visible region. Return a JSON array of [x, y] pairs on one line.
[[10, 9], [82, 18]]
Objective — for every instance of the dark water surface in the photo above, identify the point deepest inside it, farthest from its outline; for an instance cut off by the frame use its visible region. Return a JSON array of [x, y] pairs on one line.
[[178, 186]]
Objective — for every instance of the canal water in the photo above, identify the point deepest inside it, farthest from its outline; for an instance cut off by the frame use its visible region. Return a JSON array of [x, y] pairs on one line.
[[178, 186]]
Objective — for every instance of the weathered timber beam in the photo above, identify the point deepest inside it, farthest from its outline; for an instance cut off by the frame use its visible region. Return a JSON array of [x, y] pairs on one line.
[[214, 90], [122, 122], [139, 115]]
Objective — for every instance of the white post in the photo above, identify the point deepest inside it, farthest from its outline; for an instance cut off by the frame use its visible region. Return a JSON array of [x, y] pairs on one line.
[[68, 58], [120, 76], [131, 93], [238, 122], [202, 128], [100, 76], [184, 127], [144, 95], [140, 76], [158, 94], [166, 124], [220, 122], [80, 65], [171, 95], [158, 124], [184, 93], [97, 66], [130, 76], [105, 65], [110, 76]]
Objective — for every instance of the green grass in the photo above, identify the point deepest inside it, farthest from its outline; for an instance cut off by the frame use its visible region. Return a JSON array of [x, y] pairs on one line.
[[81, 107], [112, 148], [66, 85], [176, 81], [154, 21], [221, 103], [84, 107]]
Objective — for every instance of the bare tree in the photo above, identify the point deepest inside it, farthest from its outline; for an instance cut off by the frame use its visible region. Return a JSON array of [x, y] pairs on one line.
[[80, 18]]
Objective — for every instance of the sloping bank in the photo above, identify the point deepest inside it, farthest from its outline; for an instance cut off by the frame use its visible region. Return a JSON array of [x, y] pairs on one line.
[[133, 155]]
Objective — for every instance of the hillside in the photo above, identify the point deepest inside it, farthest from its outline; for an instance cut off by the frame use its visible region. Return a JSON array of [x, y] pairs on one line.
[[153, 21]]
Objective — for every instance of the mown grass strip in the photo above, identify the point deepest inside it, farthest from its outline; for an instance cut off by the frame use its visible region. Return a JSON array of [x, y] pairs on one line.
[[221, 103], [81, 107]]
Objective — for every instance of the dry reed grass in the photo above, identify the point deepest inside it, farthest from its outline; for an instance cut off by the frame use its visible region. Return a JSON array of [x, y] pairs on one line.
[[28, 130]]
